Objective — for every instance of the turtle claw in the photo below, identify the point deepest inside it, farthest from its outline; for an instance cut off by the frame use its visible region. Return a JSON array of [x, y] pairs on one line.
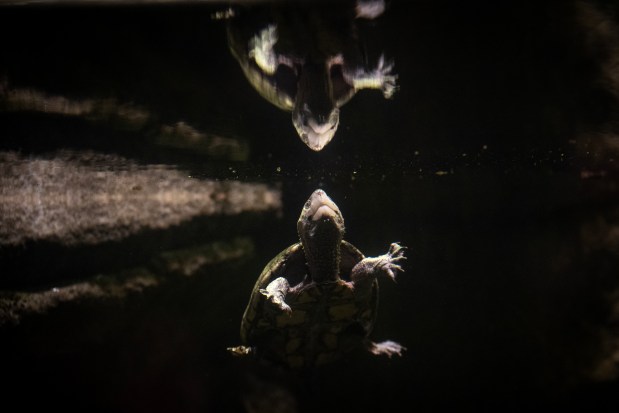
[[388, 80], [379, 78], [388, 348], [390, 261], [387, 264]]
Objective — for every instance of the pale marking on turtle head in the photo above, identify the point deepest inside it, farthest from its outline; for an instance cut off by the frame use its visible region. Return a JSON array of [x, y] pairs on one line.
[[321, 229], [318, 205], [314, 133], [324, 210]]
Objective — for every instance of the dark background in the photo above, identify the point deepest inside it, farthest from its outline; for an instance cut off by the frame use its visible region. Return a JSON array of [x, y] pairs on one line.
[[504, 303]]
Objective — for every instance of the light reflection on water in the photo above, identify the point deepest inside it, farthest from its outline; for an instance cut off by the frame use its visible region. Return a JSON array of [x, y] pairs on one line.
[[89, 198], [187, 262], [124, 116]]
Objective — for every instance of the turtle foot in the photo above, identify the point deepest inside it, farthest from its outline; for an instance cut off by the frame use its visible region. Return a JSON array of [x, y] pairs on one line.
[[240, 351], [261, 49], [388, 348], [390, 262], [371, 267], [276, 293], [388, 80], [382, 78]]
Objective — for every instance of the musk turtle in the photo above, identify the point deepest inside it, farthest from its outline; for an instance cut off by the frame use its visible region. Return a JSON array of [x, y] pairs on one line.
[[310, 61], [317, 299]]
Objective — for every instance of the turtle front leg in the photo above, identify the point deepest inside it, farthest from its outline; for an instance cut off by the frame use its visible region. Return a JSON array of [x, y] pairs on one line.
[[261, 49], [276, 293], [381, 78], [387, 264]]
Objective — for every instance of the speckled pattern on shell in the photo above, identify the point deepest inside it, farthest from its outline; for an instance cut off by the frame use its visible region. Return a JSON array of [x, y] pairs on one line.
[[327, 319]]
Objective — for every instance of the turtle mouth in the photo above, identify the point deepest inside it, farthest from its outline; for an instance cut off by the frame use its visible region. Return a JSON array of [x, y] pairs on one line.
[[324, 211], [320, 206], [320, 218]]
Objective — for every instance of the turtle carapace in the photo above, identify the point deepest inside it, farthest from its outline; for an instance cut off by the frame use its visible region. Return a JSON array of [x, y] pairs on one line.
[[317, 299]]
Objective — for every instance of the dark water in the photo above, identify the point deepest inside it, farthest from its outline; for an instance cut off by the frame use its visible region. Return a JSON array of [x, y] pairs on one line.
[[495, 163]]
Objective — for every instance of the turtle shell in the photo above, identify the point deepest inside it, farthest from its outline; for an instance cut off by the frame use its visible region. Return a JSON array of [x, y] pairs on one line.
[[327, 319]]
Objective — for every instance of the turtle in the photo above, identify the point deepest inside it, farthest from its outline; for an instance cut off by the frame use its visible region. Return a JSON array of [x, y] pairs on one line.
[[317, 300], [309, 61]]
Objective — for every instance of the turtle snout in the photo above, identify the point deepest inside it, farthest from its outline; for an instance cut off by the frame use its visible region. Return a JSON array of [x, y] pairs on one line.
[[320, 206], [316, 131]]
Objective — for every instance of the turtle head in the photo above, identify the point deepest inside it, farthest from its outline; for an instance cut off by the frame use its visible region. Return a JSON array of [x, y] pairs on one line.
[[315, 115], [316, 131], [321, 230]]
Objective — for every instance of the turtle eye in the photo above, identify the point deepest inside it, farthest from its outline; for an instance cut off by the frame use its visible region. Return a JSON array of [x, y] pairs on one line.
[[308, 203]]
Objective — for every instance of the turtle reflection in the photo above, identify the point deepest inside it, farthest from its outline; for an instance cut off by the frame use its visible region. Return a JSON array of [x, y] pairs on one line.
[[310, 61]]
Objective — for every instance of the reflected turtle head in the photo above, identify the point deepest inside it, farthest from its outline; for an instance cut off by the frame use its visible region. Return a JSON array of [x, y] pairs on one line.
[[316, 131]]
